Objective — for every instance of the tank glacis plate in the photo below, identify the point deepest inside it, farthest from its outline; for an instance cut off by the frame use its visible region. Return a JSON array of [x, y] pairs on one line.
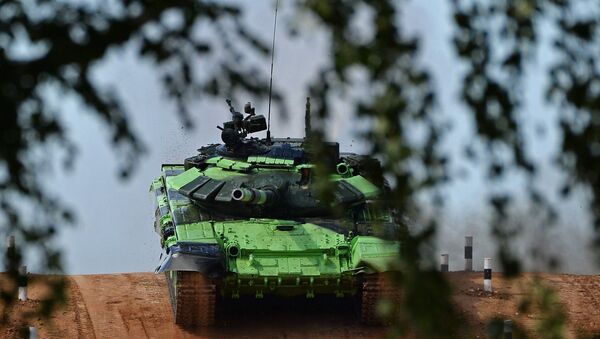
[[244, 219]]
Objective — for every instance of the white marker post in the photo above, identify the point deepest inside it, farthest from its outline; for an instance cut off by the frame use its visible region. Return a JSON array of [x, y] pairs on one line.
[[444, 260], [23, 289], [487, 274], [469, 253], [32, 332], [11, 241], [507, 329]]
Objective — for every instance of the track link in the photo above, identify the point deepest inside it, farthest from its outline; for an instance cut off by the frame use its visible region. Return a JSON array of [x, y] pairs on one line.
[[376, 287], [193, 298]]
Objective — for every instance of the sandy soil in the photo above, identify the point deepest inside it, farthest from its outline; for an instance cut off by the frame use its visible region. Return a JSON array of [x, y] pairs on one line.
[[579, 295], [137, 306]]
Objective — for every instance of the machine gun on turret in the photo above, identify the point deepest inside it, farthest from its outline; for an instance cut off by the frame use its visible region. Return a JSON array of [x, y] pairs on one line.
[[234, 131]]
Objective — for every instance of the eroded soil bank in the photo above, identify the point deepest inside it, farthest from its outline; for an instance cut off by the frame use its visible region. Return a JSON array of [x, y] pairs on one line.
[[137, 306]]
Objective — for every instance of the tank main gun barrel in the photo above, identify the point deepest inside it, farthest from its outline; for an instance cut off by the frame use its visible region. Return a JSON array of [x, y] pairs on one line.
[[254, 196]]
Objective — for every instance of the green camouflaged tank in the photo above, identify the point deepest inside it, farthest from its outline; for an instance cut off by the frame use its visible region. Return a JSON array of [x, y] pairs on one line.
[[244, 218]]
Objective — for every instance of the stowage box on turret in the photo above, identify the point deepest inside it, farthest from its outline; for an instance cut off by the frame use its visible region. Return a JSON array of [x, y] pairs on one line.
[[245, 218]]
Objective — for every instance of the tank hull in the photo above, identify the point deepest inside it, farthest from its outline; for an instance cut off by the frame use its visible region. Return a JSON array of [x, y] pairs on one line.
[[274, 256]]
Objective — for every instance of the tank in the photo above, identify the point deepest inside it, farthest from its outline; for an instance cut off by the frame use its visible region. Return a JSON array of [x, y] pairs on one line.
[[244, 218]]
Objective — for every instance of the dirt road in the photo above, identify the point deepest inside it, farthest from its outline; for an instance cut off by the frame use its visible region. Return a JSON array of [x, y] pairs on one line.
[[137, 306]]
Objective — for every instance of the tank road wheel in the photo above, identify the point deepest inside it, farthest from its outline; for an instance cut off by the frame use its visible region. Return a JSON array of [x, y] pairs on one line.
[[193, 298], [376, 287]]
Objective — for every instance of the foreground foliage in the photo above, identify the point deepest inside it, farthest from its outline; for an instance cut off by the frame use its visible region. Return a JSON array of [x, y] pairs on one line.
[[494, 39]]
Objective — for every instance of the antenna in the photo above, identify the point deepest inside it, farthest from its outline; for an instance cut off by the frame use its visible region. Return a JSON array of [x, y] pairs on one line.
[[271, 80]]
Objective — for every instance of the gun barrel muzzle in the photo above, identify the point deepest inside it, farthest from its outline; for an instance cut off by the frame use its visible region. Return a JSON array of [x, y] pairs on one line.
[[254, 196]]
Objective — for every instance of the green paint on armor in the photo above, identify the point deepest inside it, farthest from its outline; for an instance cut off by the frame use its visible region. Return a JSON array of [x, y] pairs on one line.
[[369, 190]]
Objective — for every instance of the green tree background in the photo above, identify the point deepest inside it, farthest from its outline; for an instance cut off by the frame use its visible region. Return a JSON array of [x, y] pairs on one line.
[[494, 40]]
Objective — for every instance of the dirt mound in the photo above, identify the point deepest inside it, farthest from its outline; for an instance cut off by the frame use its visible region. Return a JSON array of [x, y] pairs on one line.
[[137, 306]]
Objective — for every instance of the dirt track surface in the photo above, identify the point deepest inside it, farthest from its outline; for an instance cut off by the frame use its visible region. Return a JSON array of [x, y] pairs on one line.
[[579, 295], [137, 306]]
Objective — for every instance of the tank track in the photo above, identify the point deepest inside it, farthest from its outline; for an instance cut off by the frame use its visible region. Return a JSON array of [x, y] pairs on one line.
[[193, 298], [376, 287]]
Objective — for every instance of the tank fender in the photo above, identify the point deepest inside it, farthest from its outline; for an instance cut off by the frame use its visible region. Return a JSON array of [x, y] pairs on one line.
[[373, 254], [198, 257]]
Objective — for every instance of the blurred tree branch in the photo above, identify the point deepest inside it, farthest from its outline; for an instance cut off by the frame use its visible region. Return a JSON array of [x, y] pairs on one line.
[[67, 40], [498, 57]]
